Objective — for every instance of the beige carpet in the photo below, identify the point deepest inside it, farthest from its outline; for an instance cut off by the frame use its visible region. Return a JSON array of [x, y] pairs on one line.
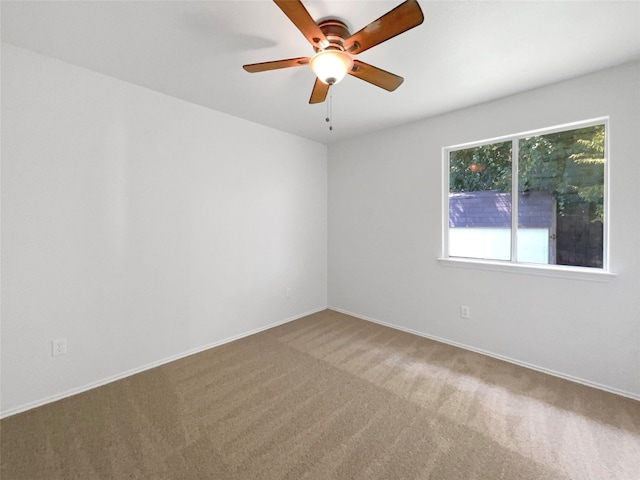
[[329, 397]]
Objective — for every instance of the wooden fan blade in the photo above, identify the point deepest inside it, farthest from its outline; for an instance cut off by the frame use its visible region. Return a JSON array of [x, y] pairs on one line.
[[402, 18], [294, 9], [319, 92], [264, 66], [376, 76]]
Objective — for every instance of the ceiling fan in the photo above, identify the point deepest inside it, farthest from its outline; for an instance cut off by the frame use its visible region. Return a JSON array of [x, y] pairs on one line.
[[336, 47]]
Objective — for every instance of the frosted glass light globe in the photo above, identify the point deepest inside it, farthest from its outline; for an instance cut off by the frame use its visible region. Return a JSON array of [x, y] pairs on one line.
[[330, 66]]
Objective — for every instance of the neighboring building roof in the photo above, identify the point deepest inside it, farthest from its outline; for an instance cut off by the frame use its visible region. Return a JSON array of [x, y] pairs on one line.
[[493, 209]]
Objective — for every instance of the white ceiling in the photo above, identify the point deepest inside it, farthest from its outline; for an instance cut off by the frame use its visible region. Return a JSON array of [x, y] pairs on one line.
[[465, 52]]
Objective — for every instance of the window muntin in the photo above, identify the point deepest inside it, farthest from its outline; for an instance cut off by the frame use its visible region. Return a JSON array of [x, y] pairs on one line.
[[558, 217]]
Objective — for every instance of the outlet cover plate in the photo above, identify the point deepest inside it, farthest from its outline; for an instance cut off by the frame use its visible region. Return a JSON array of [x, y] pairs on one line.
[[58, 347]]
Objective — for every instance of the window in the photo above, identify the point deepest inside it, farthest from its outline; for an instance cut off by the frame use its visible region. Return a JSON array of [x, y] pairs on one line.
[[536, 198]]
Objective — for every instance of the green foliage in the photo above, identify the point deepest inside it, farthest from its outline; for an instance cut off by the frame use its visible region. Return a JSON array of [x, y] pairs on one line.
[[493, 168], [568, 165]]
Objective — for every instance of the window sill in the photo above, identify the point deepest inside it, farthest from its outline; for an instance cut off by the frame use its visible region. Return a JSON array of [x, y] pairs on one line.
[[557, 271]]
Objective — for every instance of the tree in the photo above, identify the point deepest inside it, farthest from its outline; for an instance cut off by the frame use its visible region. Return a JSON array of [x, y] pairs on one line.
[[569, 165], [487, 167]]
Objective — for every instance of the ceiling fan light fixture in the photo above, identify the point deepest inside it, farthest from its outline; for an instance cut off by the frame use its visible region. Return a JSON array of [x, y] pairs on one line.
[[336, 48], [330, 66]]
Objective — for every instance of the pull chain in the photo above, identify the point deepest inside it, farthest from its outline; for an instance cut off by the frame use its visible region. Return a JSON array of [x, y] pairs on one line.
[[329, 118]]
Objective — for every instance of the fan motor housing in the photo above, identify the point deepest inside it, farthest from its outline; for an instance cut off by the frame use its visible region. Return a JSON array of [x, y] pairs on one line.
[[336, 32]]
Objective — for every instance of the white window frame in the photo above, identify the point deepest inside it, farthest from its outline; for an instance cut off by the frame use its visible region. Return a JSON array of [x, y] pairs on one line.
[[513, 266]]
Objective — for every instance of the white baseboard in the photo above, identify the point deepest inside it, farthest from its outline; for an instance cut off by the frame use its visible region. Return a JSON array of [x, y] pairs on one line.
[[128, 373], [530, 366]]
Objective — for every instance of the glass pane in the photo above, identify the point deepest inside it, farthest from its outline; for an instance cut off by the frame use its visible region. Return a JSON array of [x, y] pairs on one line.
[[561, 198], [480, 202]]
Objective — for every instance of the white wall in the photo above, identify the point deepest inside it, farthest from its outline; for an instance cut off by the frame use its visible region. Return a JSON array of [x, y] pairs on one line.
[[140, 227], [385, 222]]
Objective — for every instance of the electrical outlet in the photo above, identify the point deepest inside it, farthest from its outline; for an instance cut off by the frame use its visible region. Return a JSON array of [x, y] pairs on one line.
[[465, 312], [58, 347]]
